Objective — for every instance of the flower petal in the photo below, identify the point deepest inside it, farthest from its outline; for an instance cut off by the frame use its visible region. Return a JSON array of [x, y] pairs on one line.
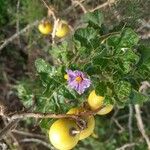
[[80, 87]]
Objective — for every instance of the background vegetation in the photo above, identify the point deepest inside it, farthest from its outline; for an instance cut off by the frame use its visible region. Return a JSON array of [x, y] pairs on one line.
[[117, 130]]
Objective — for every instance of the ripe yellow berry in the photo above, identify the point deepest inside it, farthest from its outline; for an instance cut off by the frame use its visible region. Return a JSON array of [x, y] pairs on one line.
[[95, 101], [105, 110], [45, 27], [90, 123], [61, 134], [62, 29]]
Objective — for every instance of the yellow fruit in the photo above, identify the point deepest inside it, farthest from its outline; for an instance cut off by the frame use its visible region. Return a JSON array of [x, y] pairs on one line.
[[90, 123], [45, 27], [105, 110], [95, 101], [66, 76], [61, 136], [62, 29]]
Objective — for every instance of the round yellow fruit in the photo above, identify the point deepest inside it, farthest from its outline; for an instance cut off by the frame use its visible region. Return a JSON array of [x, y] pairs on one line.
[[90, 123], [45, 27], [61, 135], [62, 29], [95, 101], [105, 110]]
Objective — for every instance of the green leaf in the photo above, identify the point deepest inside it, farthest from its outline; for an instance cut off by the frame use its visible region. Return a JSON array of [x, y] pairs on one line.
[[101, 89], [145, 54], [128, 38], [113, 40], [90, 69], [123, 90], [99, 61], [68, 94], [128, 60], [25, 94], [137, 97], [95, 18], [41, 66], [46, 123], [62, 52], [85, 34]]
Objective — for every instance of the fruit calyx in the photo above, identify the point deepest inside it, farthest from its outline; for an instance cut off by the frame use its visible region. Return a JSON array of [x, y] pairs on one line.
[[82, 123], [73, 131]]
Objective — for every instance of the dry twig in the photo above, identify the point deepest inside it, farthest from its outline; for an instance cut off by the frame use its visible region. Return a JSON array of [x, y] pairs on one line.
[[126, 146], [15, 118], [130, 119], [140, 124], [80, 4], [109, 2], [7, 41], [118, 125], [28, 140], [28, 134], [17, 23], [8, 128]]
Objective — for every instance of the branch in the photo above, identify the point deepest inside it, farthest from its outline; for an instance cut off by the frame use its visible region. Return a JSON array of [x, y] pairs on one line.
[[37, 115], [3, 146], [17, 22], [8, 128], [109, 2], [28, 140], [21, 115], [126, 146], [15, 118], [145, 85], [130, 120], [141, 125], [23, 133], [80, 4], [7, 41]]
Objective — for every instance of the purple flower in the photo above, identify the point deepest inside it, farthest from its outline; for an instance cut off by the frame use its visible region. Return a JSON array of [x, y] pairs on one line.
[[78, 81]]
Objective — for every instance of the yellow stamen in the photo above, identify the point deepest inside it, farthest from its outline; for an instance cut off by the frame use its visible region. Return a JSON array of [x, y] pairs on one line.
[[66, 76], [78, 79]]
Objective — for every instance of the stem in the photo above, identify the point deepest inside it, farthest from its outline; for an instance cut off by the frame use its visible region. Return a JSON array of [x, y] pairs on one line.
[[20, 115], [73, 131]]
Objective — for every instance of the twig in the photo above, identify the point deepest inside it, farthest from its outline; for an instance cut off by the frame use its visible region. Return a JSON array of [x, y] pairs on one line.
[[119, 126], [7, 41], [80, 4], [17, 23], [13, 37], [20, 115], [71, 7], [3, 146], [27, 140], [11, 134], [141, 125], [54, 18], [28, 134], [130, 119], [8, 128], [49, 9], [126, 146], [145, 85], [109, 2]]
